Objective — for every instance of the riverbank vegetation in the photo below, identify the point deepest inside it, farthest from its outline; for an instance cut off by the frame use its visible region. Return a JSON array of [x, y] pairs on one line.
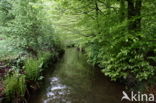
[[28, 43], [118, 36]]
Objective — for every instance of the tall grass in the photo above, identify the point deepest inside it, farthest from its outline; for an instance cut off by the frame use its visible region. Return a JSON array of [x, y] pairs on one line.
[[15, 85], [33, 66]]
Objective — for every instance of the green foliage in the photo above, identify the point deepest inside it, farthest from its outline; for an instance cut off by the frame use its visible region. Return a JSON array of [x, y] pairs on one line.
[[33, 66], [113, 39], [117, 35], [7, 49], [5, 6], [44, 56], [28, 25], [25, 25], [131, 59], [15, 85], [26, 30]]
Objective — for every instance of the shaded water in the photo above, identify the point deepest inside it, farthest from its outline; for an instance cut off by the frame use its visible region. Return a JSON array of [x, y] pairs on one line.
[[75, 81]]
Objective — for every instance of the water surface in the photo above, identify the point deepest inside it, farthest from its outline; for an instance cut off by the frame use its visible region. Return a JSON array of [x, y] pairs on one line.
[[75, 81]]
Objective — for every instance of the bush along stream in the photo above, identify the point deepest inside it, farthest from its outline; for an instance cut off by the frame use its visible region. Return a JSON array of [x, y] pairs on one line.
[[28, 44], [24, 75]]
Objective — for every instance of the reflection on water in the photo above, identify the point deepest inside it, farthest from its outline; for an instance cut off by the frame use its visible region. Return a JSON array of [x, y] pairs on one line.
[[56, 92], [75, 81]]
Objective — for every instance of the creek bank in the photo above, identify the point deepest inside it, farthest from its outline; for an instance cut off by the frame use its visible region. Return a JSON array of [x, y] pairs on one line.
[[130, 83], [4, 69], [31, 85]]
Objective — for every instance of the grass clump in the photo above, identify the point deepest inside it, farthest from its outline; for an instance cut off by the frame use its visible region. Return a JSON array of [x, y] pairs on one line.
[[15, 82], [44, 56], [33, 66], [15, 85]]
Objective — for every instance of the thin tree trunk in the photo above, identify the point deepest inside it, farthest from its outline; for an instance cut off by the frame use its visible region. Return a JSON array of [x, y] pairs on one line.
[[97, 13], [138, 14], [122, 10], [131, 15], [134, 15]]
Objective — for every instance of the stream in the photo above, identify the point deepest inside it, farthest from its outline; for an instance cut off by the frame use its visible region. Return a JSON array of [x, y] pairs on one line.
[[75, 81]]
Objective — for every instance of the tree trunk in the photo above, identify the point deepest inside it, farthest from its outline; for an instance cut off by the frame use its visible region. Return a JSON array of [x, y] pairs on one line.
[[138, 14], [97, 13], [134, 15], [122, 10]]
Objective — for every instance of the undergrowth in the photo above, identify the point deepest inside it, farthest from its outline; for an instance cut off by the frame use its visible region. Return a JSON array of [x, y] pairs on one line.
[[15, 85]]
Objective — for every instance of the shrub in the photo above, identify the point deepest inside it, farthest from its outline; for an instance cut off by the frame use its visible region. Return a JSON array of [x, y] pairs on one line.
[[129, 56]]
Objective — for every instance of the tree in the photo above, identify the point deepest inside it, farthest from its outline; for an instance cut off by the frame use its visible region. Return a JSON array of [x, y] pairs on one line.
[[134, 15]]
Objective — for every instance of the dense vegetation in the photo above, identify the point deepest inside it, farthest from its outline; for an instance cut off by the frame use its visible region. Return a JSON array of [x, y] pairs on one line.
[[117, 35], [28, 42]]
